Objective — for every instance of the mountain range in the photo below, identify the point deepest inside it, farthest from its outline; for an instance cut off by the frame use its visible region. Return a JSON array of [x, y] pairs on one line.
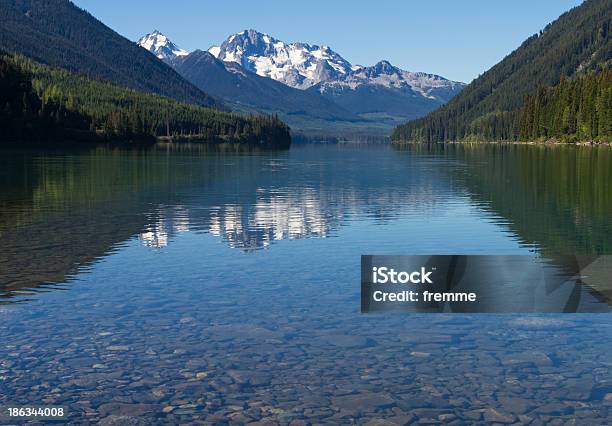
[[311, 87], [555, 85]]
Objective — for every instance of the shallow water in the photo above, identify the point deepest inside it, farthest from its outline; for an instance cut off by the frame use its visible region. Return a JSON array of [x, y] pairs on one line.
[[172, 283]]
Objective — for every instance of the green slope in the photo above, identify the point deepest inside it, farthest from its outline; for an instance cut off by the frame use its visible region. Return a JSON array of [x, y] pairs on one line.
[[57, 33], [41, 103], [488, 108]]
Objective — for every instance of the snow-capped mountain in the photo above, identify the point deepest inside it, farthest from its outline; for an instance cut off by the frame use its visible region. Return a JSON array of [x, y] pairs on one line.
[[302, 66], [161, 46], [312, 87], [386, 75], [298, 65], [250, 92]]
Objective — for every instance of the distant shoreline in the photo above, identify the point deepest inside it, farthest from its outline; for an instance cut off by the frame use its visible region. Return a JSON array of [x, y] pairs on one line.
[[551, 142]]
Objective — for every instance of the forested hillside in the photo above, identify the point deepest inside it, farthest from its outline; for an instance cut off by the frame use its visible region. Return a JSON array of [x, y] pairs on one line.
[[489, 108], [41, 103], [57, 33], [579, 109], [24, 116]]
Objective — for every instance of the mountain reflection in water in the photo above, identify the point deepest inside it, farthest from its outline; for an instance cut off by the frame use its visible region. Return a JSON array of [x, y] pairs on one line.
[[62, 210]]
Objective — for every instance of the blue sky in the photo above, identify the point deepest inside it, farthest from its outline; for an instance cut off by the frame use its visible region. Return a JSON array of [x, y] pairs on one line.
[[456, 39]]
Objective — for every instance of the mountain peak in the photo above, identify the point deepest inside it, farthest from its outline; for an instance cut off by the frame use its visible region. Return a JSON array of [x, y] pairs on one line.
[[384, 67], [298, 65], [161, 46]]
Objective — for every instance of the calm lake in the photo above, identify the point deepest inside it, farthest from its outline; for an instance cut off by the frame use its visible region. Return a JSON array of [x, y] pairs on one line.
[[159, 284]]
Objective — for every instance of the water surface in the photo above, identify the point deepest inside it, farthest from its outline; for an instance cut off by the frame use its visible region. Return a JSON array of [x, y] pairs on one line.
[[161, 284]]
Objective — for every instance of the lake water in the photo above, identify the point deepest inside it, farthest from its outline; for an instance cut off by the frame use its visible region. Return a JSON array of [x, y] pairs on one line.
[[160, 285]]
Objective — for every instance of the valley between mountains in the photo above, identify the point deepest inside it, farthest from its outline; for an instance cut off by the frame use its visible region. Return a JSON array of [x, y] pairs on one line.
[[68, 76], [312, 88]]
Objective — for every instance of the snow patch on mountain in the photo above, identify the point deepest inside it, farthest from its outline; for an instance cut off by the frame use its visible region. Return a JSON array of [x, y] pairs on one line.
[[384, 74], [298, 65], [161, 46], [214, 50]]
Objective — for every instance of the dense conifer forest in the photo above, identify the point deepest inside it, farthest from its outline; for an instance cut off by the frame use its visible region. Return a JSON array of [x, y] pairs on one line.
[[40, 103], [579, 109], [572, 52]]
